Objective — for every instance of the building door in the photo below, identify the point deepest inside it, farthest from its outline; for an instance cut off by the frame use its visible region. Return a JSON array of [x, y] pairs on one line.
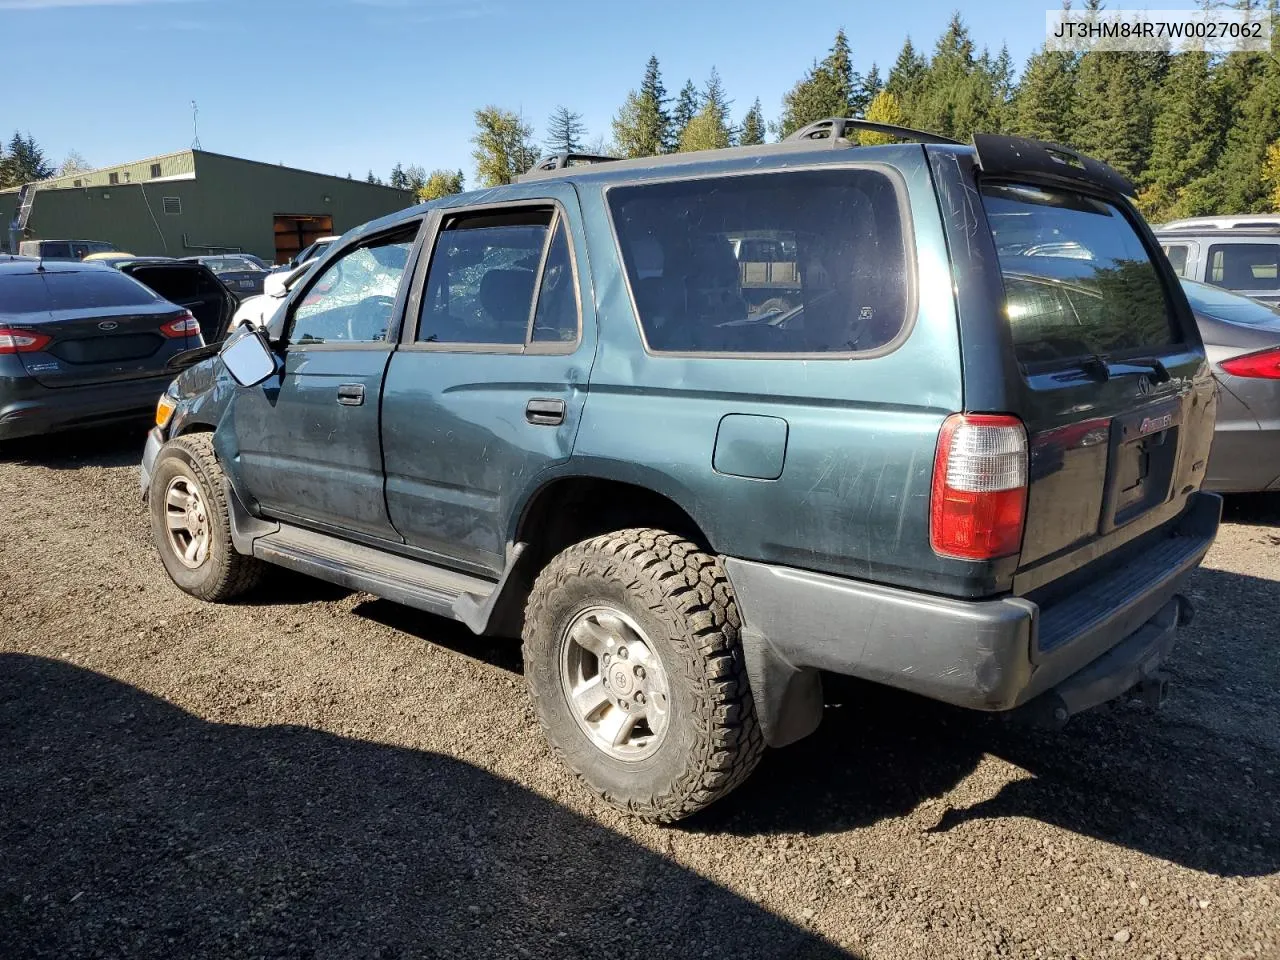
[[296, 232]]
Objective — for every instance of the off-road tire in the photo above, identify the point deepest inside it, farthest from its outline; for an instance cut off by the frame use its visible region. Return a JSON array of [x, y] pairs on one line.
[[682, 599], [224, 574]]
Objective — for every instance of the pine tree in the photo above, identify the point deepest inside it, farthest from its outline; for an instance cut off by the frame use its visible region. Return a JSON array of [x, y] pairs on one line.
[[565, 131], [24, 162], [710, 129], [1109, 122], [830, 88], [642, 127], [871, 85], [688, 103], [956, 94], [752, 126], [504, 146], [1187, 140], [1042, 107], [398, 180], [1255, 127], [906, 73]]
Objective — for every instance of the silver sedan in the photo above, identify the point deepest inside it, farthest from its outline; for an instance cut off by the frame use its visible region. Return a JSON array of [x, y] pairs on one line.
[[1242, 338]]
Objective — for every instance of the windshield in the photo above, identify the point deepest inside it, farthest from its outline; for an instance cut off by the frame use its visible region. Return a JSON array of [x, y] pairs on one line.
[[1078, 280]]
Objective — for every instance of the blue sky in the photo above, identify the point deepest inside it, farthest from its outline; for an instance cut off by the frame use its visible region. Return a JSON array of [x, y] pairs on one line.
[[347, 85]]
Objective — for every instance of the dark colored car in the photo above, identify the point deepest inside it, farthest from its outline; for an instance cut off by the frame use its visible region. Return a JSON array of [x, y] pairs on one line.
[[189, 284], [956, 449], [241, 275], [81, 345], [1242, 339]]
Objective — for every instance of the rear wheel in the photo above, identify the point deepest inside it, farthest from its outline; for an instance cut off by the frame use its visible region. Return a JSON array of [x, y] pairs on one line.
[[635, 669], [190, 523]]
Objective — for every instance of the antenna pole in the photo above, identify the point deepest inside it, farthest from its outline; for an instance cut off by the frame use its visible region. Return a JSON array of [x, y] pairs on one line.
[[195, 126]]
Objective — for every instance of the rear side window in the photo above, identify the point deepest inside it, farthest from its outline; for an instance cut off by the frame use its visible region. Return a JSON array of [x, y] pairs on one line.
[[178, 283], [37, 292], [809, 262], [1078, 279], [1244, 266], [501, 279], [1177, 254]]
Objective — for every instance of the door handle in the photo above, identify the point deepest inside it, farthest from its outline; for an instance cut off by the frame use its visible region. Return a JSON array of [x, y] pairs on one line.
[[351, 394], [544, 413]]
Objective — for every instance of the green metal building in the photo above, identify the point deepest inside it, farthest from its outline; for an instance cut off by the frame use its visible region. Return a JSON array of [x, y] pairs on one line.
[[193, 202]]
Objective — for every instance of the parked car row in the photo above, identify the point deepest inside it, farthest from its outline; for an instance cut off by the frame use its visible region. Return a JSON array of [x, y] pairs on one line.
[[931, 415], [87, 343]]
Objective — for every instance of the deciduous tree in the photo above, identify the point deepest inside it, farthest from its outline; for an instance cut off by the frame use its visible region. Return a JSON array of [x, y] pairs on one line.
[[504, 146]]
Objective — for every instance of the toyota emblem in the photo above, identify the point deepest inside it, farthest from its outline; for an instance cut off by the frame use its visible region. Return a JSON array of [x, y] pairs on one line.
[[108, 325], [1144, 386]]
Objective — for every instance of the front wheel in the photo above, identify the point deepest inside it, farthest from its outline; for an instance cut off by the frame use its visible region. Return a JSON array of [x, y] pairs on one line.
[[635, 669], [190, 523]]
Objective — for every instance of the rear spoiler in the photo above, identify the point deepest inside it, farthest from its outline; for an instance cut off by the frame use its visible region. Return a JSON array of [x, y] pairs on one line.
[[1000, 155]]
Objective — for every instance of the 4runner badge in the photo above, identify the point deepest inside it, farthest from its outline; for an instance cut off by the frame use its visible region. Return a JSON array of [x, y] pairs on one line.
[[1154, 424]]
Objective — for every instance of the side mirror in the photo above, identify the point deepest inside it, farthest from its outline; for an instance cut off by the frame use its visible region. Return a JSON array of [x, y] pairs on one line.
[[248, 358], [273, 285]]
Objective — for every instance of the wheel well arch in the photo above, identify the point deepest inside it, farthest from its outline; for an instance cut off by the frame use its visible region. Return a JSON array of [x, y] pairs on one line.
[[570, 509]]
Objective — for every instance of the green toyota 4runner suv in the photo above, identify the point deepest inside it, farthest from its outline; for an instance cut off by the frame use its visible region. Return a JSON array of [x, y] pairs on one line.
[[701, 427]]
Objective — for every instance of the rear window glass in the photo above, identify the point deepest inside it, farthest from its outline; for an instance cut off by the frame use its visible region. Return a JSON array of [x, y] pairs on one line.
[[1078, 279], [178, 283], [36, 292], [1244, 266], [803, 262]]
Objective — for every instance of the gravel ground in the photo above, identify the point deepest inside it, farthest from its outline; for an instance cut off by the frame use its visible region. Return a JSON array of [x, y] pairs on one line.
[[314, 773]]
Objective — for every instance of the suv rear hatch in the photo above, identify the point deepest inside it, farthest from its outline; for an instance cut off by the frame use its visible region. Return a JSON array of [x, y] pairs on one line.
[[94, 326], [1103, 363]]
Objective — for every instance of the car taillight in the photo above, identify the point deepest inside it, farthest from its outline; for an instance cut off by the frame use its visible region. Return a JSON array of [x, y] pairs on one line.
[[184, 325], [22, 341], [1264, 364], [979, 501]]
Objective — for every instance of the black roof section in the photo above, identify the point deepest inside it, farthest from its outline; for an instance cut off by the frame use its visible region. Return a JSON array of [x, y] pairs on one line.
[[835, 128], [560, 161]]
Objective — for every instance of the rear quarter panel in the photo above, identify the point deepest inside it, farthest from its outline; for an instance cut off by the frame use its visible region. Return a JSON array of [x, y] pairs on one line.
[[853, 494]]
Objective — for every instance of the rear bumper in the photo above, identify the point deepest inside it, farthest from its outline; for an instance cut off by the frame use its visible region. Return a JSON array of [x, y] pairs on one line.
[[29, 409], [985, 655]]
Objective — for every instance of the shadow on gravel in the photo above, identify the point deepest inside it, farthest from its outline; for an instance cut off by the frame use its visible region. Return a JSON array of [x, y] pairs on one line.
[[1262, 509], [501, 652], [112, 446], [130, 828], [1195, 786]]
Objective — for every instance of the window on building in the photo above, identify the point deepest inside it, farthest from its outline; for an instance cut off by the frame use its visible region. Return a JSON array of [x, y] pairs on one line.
[[155, 170], [127, 177], [77, 183], [172, 205], [113, 178]]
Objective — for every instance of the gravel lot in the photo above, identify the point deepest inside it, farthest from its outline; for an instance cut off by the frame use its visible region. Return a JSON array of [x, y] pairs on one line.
[[314, 773]]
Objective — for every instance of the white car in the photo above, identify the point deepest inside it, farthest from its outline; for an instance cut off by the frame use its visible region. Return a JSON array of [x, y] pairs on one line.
[[258, 310]]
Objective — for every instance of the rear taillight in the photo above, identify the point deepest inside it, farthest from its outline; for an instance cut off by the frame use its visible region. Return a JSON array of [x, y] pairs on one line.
[[1264, 364], [22, 341], [183, 325], [979, 499]]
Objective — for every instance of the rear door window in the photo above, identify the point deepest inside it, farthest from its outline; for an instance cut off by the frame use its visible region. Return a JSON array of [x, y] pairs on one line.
[[1177, 254], [1244, 266], [1079, 281], [805, 262]]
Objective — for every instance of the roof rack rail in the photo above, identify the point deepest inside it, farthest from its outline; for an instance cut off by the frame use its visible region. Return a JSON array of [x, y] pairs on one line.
[[559, 161], [834, 128]]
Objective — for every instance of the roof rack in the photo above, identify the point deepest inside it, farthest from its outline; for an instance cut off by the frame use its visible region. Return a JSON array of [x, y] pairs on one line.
[[559, 161], [834, 128]]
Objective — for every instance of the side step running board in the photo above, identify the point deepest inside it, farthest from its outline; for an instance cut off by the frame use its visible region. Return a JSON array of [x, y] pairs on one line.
[[357, 567]]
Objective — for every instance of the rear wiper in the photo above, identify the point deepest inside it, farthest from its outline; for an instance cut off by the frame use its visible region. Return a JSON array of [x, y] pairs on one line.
[[1160, 373]]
